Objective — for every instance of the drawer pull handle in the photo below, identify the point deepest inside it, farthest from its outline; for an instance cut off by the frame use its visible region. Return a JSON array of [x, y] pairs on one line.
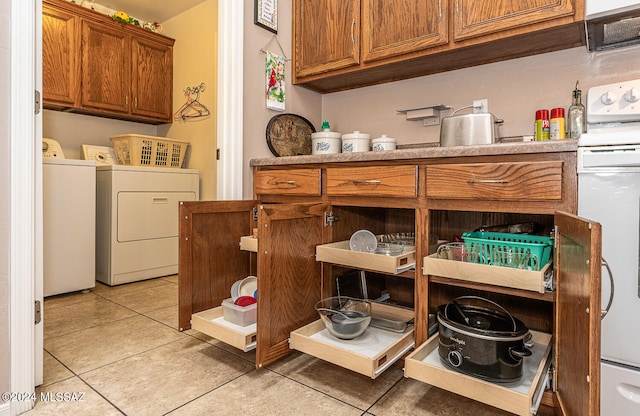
[[285, 182], [160, 200], [369, 181], [488, 181]]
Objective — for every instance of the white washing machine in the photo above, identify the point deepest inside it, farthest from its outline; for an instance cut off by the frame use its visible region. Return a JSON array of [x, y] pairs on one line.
[[137, 220], [69, 212]]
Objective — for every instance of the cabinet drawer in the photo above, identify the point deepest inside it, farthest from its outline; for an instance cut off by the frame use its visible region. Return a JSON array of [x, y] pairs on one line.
[[287, 182], [340, 253], [536, 181], [537, 281], [212, 323], [522, 398], [389, 181], [369, 354]]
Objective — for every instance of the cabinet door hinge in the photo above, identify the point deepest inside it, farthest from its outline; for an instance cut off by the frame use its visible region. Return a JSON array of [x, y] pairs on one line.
[[38, 312], [37, 102], [255, 214], [217, 154], [329, 219], [554, 234]]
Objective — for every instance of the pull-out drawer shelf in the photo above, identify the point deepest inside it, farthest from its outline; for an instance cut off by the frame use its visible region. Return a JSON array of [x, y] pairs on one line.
[[369, 354], [211, 322], [522, 398]]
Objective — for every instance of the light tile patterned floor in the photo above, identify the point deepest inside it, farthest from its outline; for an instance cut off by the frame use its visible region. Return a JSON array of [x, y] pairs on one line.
[[119, 350]]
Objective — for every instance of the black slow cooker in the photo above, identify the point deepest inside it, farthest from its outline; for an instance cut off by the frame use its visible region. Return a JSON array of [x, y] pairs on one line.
[[488, 343]]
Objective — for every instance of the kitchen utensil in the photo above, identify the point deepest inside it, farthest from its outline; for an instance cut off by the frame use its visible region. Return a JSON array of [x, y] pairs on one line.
[[363, 240], [345, 317], [289, 135], [453, 251], [488, 343], [389, 249], [469, 129], [248, 286], [235, 294]]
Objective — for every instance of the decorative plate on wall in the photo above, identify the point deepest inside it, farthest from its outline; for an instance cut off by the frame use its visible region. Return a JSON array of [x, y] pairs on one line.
[[289, 135]]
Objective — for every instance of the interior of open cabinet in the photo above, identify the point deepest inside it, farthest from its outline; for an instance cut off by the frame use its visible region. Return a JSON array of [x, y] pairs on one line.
[[533, 308], [392, 292]]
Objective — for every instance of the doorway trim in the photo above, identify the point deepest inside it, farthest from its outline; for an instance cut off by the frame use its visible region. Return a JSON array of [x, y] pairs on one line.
[[230, 99], [24, 200]]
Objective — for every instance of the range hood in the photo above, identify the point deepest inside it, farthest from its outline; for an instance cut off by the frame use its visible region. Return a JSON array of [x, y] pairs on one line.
[[612, 24]]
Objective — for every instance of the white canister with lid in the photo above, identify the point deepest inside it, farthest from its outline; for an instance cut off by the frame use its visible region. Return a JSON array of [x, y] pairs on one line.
[[326, 141], [356, 142], [383, 143]]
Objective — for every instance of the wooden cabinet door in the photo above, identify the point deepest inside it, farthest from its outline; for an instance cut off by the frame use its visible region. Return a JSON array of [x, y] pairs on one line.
[[60, 61], [106, 67], [210, 259], [289, 277], [391, 28], [577, 270], [481, 17], [326, 35], [151, 79]]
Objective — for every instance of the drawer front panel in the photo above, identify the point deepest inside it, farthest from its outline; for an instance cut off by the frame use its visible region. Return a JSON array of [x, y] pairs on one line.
[[389, 181], [287, 182], [536, 181]]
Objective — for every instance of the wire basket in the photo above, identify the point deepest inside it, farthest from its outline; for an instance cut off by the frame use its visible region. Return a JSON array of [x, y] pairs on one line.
[[521, 251], [140, 150]]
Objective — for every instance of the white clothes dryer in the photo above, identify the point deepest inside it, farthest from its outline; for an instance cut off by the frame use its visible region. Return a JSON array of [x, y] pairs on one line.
[[137, 220]]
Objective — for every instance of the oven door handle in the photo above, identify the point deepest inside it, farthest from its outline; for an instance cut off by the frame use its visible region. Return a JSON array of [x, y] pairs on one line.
[[604, 312]]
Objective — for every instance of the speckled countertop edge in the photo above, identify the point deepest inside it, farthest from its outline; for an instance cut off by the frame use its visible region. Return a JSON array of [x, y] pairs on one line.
[[430, 152]]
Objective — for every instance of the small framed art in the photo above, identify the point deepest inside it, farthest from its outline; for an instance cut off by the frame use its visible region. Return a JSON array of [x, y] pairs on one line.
[[266, 14]]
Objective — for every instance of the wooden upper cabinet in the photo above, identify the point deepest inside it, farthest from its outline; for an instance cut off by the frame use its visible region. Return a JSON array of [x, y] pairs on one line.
[[344, 44], [482, 17], [94, 65], [105, 67], [391, 28], [326, 35], [152, 71], [60, 66]]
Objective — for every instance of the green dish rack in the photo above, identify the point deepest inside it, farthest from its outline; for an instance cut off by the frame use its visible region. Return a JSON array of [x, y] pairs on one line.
[[521, 251]]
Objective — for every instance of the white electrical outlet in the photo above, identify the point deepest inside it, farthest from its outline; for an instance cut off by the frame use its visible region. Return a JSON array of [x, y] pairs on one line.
[[481, 106]]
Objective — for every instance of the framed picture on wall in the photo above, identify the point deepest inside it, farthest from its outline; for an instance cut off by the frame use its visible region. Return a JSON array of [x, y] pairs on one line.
[[266, 14]]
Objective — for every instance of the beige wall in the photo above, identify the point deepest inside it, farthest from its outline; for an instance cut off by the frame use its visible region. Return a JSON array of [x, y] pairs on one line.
[[5, 219], [74, 130], [515, 90], [195, 62], [256, 116]]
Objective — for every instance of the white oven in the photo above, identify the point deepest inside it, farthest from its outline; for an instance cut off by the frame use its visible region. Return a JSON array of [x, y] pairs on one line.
[[609, 193]]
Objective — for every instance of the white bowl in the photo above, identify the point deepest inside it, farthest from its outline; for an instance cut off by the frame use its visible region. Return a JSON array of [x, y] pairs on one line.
[[248, 286]]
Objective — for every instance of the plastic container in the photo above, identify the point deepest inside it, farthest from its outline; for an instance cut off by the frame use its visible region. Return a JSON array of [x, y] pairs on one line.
[[382, 143], [556, 124], [140, 150], [356, 142], [493, 245], [326, 141], [239, 315], [542, 125]]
